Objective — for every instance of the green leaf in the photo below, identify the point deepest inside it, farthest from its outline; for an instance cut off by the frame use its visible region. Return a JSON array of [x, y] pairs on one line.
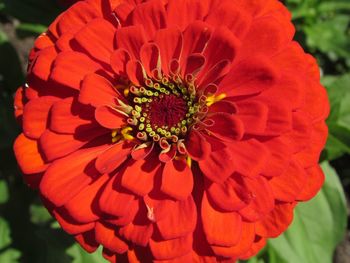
[[79, 255], [39, 214], [334, 6], [10, 256], [4, 194], [7, 254], [5, 239], [28, 29], [330, 36], [318, 225], [339, 119]]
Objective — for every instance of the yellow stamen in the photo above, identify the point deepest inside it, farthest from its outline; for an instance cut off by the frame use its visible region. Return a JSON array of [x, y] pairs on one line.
[[213, 99], [126, 92], [189, 161], [116, 138], [114, 133], [125, 133]]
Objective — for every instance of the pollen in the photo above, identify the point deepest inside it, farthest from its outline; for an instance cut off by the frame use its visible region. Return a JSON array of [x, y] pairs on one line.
[[213, 99]]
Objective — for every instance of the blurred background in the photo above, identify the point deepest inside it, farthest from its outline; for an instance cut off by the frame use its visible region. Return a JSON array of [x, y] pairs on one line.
[[319, 233]]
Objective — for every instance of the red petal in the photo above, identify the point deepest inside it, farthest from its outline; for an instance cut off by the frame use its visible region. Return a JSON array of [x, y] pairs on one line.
[[218, 166], [253, 114], [123, 11], [273, 224], [288, 185], [179, 221], [258, 245], [279, 114], [258, 41], [310, 155], [221, 228], [222, 45], [177, 179], [262, 199], [116, 201], [131, 38], [197, 146], [64, 42], [227, 127], [35, 116], [169, 41], [42, 64], [223, 106], [318, 104], [314, 181], [70, 68], [109, 117], [151, 15], [232, 16], [193, 64], [247, 239], [138, 234], [68, 117], [75, 17], [113, 157], [250, 157], [108, 239], [66, 177], [301, 133], [119, 59], [56, 145], [87, 241], [70, 227], [139, 176], [96, 39], [150, 57], [279, 158], [227, 195], [249, 76], [195, 37], [171, 249], [142, 151], [82, 207], [110, 256], [136, 72], [18, 104], [183, 12], [28, 156], [214, 74], [95, 84]]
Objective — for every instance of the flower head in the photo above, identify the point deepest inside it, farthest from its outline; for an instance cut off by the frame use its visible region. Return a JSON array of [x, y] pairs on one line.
[[177, 131]]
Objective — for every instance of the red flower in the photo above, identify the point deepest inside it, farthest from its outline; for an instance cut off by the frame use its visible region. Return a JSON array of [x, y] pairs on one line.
[[173, 131]]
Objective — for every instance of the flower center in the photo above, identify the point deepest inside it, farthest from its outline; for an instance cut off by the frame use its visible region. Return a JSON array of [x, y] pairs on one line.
[[167, 111], [163, 109]]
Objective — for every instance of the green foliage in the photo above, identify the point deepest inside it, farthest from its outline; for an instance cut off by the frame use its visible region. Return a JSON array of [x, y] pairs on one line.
[[4, 195], [339, 119], [7, 254], [324, 26], [80, 256]]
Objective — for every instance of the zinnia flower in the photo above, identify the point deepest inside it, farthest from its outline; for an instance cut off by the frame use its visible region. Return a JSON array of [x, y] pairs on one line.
[[172, 131]]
